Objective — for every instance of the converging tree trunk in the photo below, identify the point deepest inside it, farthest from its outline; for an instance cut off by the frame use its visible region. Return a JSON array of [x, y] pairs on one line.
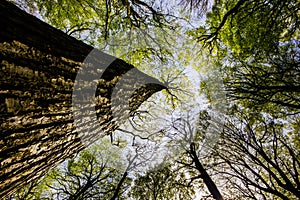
[[210, 184], [119, 186], [38, 68]]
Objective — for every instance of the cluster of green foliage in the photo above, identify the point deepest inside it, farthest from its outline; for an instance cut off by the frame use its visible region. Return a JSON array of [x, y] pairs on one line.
[[247, 27], [162, 183]]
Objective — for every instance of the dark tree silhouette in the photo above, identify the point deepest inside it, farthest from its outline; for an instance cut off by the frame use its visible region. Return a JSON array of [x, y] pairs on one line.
[[261, 161]]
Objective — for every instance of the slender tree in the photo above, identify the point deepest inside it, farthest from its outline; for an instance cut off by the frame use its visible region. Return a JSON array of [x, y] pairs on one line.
[[191, 140]]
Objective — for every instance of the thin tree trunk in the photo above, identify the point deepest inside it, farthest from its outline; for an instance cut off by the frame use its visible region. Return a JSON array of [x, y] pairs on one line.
[[119, 186], [213, 189], [38, 67]]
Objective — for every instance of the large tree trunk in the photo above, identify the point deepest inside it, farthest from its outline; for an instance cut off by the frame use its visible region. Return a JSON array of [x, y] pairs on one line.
[[38, 68]]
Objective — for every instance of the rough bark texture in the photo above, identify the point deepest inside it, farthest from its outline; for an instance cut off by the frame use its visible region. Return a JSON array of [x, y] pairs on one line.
[[37, 71]]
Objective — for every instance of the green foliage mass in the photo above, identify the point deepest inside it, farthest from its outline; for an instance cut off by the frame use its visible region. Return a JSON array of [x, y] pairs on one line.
[[247, 27], [162, 183]]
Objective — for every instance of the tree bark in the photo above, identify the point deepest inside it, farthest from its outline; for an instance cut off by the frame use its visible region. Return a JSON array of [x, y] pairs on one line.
[[119, 186], [38, 68], [213, 189]]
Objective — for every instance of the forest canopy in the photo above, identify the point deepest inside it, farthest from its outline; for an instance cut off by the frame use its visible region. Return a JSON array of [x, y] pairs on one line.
[[227, 122]]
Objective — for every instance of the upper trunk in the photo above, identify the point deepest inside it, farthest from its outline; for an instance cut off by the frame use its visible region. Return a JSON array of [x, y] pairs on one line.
[[210, 184], [38, 68]]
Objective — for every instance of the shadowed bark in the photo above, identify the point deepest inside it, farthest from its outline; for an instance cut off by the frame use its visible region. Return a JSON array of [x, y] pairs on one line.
[[38, 68], [210, 184]]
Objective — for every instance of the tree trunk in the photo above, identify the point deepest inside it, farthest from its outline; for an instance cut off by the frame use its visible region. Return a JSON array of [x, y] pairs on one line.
[[38, 68], [213, 189], [119, 186]]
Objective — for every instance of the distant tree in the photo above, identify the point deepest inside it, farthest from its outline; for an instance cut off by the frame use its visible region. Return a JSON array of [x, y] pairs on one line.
[[191, 142], [87, 176], [259, 157], [267, 82]]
